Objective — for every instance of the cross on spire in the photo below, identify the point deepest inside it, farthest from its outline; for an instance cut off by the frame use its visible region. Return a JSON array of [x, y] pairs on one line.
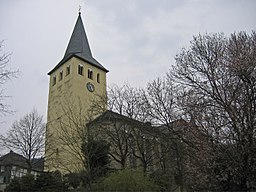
[[79, 9]]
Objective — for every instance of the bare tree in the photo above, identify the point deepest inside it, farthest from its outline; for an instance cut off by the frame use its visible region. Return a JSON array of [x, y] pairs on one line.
[[128, 126], [67, 133], [128, 101], [64, 139], [217, 75], [114, 129], [5, 75], [148, 145], [145, 144], [161, 101], [27, 137]]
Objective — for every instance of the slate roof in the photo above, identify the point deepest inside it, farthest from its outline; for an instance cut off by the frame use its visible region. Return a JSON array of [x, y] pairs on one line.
[[114, 117], [111, 115], [13, 158], [79, 47]]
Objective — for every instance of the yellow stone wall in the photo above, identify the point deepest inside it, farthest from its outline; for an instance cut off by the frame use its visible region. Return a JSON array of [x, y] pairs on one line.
[[70, 89]]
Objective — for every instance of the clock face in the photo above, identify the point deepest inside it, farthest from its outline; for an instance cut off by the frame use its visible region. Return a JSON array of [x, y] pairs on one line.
[[90, 87]]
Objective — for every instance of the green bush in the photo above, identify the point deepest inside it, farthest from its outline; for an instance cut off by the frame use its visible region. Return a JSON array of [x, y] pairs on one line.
[[127, 180], [49, 182], [74, 179], [27, 183], [23, 184], [14, 185], [46, 182], [96, 153], [164, 181]]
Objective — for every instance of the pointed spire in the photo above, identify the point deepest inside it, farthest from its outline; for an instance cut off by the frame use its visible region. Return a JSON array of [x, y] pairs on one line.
[[78, 43], [78, 46]]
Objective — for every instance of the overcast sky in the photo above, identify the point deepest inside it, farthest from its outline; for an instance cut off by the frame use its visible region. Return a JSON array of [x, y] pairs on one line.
[[136, 40]]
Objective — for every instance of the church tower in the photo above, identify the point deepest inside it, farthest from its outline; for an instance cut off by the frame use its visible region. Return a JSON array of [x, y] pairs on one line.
[[75, 82]]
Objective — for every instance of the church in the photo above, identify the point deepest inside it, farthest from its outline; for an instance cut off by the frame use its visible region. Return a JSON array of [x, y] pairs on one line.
[[77, 107]]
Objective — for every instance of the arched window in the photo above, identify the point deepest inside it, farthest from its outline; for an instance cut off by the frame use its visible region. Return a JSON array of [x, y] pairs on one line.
[[68, 70], [80, 69], [61, 76], [54, 80], [98, 78], [90, 74]]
